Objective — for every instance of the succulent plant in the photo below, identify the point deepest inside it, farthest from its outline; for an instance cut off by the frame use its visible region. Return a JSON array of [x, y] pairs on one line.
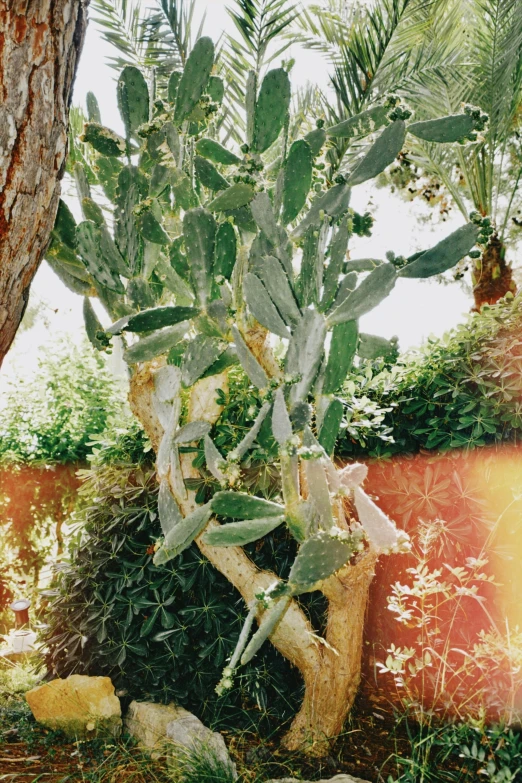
[[208, 262]]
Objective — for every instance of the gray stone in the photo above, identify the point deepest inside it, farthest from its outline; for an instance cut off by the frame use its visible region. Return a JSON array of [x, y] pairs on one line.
[[155, 726], [188, 732], [80, 706], [147, 722]]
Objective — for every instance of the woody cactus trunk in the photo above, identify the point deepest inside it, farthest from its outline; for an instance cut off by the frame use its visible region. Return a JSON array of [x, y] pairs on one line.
[[214, 259]]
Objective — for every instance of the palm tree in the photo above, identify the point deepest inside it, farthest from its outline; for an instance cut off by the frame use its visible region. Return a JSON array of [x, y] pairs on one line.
[[438, 56]]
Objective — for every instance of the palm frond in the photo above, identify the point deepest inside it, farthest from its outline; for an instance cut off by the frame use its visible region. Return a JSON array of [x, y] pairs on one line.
[[170, 32], [123, 26], [260, 25]]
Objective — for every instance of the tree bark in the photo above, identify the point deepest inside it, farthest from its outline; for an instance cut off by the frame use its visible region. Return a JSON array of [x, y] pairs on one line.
[[492, 275], [330, 667], [40, 45]]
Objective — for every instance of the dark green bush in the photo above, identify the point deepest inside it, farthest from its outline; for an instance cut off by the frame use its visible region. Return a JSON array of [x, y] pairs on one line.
[[162, 633], [462, 391]]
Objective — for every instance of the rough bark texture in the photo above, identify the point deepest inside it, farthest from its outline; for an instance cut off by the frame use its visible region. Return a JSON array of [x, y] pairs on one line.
[[494, 277], [40, 44], [330, 667]]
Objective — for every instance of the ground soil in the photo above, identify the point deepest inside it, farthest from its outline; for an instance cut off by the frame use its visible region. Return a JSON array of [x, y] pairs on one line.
[[29, 753]]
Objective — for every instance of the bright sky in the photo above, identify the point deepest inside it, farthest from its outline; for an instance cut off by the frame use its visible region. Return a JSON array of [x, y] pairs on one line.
[[413, 311]]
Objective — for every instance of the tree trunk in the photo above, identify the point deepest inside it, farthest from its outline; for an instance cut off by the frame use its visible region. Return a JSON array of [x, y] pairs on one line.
[[40, 44], [330, 667], [492, 275]]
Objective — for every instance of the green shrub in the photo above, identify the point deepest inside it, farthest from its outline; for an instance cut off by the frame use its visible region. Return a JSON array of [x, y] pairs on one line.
[[462, 391], [460, 753], [162, 633], [51, 416]]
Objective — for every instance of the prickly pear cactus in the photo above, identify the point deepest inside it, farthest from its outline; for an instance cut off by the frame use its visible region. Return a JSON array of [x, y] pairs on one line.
[[205, 249]]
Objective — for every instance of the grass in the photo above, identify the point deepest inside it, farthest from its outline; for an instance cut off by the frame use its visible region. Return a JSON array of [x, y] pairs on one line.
[[378, 745]]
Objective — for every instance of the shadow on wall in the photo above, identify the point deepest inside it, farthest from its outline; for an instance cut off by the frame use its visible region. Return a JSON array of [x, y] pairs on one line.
[[456, 598]]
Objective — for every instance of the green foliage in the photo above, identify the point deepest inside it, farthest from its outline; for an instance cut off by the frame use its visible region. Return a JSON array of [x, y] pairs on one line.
[[162, 632], [177, 218], [459, 392], [53, 416], [460, 753]]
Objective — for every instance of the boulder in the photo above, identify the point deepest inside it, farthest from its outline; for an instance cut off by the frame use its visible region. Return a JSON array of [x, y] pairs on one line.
[[188, 732], [82, 707], [155, 726], [147, 722]]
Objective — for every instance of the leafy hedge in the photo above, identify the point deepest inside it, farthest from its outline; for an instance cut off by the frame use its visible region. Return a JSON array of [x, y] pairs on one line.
[[462, 391], [51, 416]]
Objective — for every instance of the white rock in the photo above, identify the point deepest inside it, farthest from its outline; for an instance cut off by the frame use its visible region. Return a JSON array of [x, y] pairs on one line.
[[147, 722], [80, 706], [189, 732]]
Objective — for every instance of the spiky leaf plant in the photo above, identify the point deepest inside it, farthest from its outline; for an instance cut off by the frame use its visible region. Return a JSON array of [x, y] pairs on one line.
[[208, 263]]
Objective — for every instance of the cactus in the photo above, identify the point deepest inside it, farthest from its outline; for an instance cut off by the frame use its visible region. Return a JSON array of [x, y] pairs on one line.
[[168, 509], [234, 197], [155, 344], [172, 87], [200, 269], [249, 362], [241, 533], [381, 532], [372, 347], [216, 89], [333, 203], [281, 424], [444, 255], [199, 231], [158, 317], [88, 242], [305, 353], [208, 175], [266, 628], [366, 296], [271, 109], [316, 140], [104, 141], [201, 353], [213, 460], [343, 348], [214, 151], [263, 214], [183, 534], [318, 558], [278, 286], [297, 180], [193, 431], [93, 327], [262, 307], [239, 505], [133, 99], [359, 125], [194, 80], [443, 130], [331, 425], [381, 153], [151, 229], [225, 252], [338, 247], [93, 109]]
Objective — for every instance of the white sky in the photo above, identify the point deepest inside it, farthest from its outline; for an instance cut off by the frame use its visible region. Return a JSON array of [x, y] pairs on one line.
[[413, 311]]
